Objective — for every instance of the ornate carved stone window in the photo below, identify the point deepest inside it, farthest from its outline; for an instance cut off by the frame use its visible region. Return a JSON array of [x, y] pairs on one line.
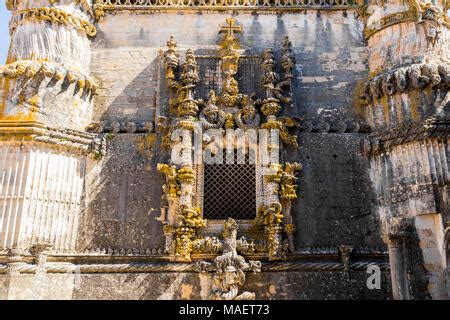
[[220, 92]]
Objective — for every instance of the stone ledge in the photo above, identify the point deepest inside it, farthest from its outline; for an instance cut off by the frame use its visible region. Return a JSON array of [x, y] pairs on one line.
[[16, 131], [186, 267]]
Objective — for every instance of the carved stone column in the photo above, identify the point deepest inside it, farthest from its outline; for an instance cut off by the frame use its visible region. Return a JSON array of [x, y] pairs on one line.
[[46, 97], [395, 233], [404, 98], [183, 219]]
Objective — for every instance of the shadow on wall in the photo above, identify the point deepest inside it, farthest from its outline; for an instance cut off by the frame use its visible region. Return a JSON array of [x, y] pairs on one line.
[[335, 201], [123, 189], [136, 102], [123, 192]]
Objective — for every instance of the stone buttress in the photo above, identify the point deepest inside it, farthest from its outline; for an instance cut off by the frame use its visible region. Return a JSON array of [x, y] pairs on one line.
[[408, 111]]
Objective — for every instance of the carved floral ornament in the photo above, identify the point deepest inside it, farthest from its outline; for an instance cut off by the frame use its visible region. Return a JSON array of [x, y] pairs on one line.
[[85, 4], [52, 15], [181, 217]]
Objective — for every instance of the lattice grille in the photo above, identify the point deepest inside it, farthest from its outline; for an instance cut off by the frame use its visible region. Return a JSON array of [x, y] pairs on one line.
[[229, 191], [210, 76], [248, 76]]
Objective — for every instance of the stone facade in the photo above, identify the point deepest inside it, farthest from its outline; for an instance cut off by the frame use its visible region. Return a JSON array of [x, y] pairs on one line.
[[92, 207]]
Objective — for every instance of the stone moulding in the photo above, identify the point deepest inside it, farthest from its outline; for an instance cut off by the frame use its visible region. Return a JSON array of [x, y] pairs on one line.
[[333, 125], [434, 128], [85, 142], [390, 20], [99, 255], [144, 267], [52, 15], [106, 126], [101, 7], [85, 4]]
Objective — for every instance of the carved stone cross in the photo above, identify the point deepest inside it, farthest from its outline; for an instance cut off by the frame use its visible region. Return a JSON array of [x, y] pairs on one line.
[[230, 28]]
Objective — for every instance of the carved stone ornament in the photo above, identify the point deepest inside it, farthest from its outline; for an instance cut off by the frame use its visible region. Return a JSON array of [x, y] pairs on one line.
[[211, 116], [230, 268], [248, 117], [181, 214], [435, 74]]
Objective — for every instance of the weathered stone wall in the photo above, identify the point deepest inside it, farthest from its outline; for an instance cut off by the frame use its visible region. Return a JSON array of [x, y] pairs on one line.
[[123, 196], [335, 196], [329, 49], [179, 286], [124, 191]]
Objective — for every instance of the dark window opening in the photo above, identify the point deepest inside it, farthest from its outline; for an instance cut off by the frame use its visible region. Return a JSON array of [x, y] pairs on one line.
[[229, 191]]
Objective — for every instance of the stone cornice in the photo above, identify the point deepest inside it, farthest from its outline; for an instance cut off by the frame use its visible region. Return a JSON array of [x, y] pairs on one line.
[[437, 128], [101, 7], [16, 131], [100, 256]]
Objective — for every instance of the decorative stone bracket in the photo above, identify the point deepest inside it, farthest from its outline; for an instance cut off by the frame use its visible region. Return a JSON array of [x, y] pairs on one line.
[[435, 74], [230, 268], [29, 75]]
